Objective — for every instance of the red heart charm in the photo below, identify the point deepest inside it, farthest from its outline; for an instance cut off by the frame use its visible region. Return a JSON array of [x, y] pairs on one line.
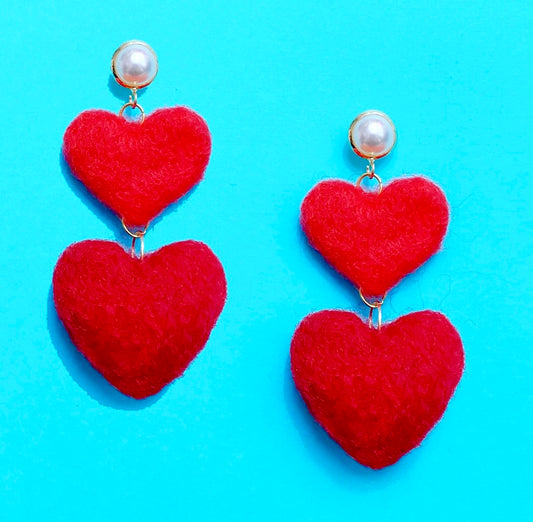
[[139, 322], [138, 169], [376, 392], [375, 239]]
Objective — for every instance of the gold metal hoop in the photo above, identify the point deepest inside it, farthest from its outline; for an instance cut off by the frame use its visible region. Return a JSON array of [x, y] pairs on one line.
[[373, 305], [135, 234], [134, 105], [370, 175]]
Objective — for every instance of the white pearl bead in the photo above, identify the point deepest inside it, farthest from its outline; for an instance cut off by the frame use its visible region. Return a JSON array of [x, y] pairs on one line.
[[134, 64], [372, 134]]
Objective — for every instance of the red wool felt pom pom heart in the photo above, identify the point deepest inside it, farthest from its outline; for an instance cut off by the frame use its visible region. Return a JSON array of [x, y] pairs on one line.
[[139, 322], [138, 169], [375, 239], [376, 392]]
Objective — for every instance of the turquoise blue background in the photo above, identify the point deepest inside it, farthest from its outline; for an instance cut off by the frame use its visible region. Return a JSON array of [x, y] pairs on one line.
[[278, 83]]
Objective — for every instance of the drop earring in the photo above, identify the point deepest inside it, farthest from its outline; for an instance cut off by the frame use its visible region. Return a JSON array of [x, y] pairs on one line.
[[140, 319], [377, 389]]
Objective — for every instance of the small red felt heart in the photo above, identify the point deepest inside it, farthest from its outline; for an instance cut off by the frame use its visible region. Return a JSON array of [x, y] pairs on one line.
[[376, 392], [139, 322], [375, 239], [138, 169]]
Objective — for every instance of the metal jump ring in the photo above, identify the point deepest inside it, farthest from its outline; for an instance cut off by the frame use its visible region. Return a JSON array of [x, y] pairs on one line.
[[370, 175], [133, 105], [373, 305], [135, 235]]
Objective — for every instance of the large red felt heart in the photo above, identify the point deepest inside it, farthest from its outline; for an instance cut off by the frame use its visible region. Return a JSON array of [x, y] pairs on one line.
[[376, 392], [138, 169], [375, 239], [139, 322]]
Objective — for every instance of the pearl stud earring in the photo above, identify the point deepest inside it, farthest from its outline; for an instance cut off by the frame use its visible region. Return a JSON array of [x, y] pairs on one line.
[[138, 319], [376, 390], [134, 64], [372, 134]]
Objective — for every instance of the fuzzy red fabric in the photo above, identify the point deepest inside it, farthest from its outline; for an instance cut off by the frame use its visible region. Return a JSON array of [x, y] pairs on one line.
[[375, 239], [376, 392], [139, 322], [138, 169]]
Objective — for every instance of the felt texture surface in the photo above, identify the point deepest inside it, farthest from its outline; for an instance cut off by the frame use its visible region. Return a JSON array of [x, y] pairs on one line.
[[375, 239], [138, 169], [376, 392], [139, 322]]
